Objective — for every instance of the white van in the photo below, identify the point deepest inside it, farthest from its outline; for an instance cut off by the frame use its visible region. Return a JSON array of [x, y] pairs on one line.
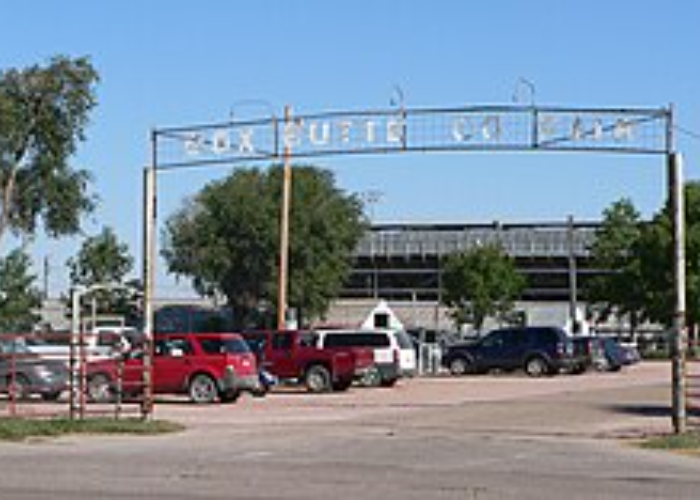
[[394, 355]]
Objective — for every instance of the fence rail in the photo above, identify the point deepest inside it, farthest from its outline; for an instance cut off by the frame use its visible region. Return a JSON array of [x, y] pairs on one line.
[[49, 375]]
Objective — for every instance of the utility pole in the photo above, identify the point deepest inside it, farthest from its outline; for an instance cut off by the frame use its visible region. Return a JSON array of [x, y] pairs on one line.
[[573, 278], [284, 223], [46, 277]]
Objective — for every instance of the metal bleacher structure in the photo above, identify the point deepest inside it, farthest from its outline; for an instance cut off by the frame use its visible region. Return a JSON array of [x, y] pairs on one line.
[[398, 261], [401, 263]]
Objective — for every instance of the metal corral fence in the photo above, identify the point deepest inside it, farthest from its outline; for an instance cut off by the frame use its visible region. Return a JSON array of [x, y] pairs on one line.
[[71, 375], [692, 376]]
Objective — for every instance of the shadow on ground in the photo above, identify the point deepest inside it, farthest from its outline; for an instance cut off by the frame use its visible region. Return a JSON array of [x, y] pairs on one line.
[[650, 411]]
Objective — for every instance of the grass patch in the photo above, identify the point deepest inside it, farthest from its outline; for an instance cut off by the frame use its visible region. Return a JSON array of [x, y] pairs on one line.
[[19, 429], [687, 443]]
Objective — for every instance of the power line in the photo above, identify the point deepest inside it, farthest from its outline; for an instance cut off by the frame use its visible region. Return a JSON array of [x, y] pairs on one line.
[[690, 133]]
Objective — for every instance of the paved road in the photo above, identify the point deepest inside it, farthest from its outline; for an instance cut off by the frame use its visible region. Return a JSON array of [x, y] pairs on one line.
[[472, 438]]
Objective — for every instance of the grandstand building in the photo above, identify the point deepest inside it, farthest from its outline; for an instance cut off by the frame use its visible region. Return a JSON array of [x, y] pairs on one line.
[[402, 263]]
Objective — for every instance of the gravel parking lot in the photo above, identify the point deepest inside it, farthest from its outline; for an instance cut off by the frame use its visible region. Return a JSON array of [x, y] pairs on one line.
[[588, 404], [458, 438]]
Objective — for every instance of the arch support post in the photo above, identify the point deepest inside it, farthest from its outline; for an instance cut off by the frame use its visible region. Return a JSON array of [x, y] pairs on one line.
[[149, 258], [679, 336]]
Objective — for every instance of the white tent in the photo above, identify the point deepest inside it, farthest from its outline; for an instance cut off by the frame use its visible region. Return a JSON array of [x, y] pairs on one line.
[[382, 317]]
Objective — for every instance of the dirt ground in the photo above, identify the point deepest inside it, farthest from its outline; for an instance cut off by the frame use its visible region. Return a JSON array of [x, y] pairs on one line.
[[483, 437]]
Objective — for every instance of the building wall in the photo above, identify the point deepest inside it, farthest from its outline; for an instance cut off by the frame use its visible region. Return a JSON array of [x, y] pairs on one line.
[[431, 315]]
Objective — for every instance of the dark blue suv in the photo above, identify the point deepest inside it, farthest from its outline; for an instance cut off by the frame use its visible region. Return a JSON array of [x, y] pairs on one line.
[[537, 350]]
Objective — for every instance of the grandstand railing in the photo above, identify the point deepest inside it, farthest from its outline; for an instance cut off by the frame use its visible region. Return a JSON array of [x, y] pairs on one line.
[[519, 242]]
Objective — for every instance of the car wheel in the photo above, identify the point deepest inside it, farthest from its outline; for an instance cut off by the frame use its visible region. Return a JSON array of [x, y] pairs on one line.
[[260, 392], [19, 385], [318, 379], [342, 385], [230, 396], [389, 382], [203, 389], [601, 365], [372, 377], [51, 396], [99, 388], [578, 369], [536, 367], [459, 366]]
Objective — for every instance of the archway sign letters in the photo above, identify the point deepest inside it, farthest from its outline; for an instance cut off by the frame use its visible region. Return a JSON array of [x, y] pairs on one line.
[[398, 130], [486, 128]]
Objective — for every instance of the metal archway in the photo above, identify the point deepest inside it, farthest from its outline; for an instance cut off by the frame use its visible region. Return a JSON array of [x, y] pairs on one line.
[[634, 131]]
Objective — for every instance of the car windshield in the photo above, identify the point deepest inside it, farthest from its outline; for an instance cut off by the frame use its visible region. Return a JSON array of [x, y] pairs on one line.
[[356, 339], [308, 339], [224, 346], [17, 345], [34, 341]]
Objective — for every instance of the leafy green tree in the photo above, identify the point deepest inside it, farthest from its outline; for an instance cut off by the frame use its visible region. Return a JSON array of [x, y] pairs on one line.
[[638, 258], [616, 251], [226, 239], [103, 259], [43, 114], [19, 296], [481, 283], [656, 258]]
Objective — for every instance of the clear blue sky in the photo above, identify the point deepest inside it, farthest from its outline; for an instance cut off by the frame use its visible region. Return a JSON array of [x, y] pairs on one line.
[[177, 62]]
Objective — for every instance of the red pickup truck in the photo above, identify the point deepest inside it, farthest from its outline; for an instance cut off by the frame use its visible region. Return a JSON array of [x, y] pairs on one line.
[[293, 355], [206, 366]]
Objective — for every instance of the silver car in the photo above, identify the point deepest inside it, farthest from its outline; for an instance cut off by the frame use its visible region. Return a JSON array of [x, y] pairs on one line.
[[25, 373]]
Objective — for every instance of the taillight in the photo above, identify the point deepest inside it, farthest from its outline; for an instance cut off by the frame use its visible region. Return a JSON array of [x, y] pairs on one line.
[[563, 349], [397, 357]]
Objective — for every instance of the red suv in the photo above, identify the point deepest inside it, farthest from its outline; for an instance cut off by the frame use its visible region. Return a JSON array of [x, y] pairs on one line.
[[206, 366]]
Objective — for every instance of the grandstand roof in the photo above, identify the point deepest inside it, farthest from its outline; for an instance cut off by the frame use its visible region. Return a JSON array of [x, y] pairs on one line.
[[548, 239]]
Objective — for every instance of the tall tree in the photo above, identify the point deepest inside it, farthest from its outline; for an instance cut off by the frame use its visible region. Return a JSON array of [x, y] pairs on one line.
[[656, 258], [103, 259], [43, 114], [19, 296], [226, 239], [615, 252], [481, 283], [638, 256]]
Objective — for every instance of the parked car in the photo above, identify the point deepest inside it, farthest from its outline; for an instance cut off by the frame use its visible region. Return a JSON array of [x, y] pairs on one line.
[[537, 350], [394, 353], [206, 366], [24, 373], [293, 356], [632, 355], [97, 345], [605, 353], [613, 355]]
